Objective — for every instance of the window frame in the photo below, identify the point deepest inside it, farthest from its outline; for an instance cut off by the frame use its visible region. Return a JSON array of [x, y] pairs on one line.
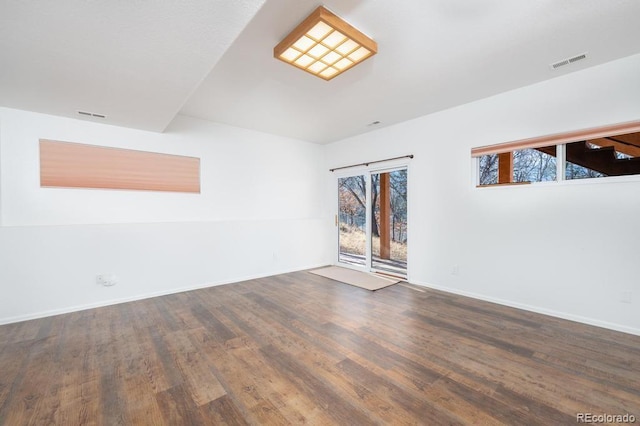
[[560, 140]]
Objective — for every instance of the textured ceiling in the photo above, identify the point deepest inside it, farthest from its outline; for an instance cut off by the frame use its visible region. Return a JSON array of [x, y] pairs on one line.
[[136, 62], [432, 54], [142, 62]]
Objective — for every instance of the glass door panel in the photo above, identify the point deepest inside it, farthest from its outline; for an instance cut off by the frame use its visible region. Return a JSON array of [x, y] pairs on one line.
[[352, 219], [389, 222]]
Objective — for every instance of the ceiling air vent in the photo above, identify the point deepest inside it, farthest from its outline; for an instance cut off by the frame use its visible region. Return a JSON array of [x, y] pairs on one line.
[[568, 61], [91, 114]]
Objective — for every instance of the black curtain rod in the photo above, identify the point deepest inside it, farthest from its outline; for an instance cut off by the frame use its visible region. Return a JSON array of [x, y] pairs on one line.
[[370, 162]]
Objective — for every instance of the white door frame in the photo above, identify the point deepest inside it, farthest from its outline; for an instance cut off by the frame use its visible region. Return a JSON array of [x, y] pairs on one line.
[[360, 171], [367, 172]]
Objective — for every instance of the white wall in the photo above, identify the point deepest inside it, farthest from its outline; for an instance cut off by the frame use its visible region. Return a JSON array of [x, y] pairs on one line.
[[538, 247], [257, 215], [241, 171], [569, 250]]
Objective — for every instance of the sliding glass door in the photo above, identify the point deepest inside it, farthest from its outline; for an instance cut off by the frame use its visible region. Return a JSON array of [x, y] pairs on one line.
[[389, 222], [352, 220], [372, 221]]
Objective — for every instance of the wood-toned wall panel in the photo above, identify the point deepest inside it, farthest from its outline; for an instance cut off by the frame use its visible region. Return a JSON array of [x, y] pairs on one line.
[[74, 165]]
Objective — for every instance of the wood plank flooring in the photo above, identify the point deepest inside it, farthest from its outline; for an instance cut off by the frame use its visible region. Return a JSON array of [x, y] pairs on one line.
[[302, 349]]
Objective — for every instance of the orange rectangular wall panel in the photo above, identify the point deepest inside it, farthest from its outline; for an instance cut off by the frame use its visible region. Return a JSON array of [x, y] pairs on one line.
[[75, 165]]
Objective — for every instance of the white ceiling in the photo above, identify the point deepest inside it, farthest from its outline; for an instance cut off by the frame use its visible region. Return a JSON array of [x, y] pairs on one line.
[[137, 62], [142, 62]]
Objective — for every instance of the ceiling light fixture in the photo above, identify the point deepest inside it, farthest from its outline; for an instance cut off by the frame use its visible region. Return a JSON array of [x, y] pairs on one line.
[[325, 45]]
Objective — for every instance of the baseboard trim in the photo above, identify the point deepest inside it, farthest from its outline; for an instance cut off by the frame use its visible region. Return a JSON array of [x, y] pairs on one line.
[[517, 305], [53, 312], [536, 309]]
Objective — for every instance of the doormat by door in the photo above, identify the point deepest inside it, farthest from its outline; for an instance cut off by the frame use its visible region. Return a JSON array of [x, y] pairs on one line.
[[356, 278]]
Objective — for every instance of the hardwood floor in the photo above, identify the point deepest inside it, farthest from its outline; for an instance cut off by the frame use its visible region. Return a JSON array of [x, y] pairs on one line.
[[299, 348]]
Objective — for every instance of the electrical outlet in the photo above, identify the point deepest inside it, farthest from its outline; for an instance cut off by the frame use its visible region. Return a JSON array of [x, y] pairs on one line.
[[106, 280], [455, 270]]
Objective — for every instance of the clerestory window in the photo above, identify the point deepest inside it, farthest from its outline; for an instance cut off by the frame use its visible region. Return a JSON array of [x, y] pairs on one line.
[[586, 154]]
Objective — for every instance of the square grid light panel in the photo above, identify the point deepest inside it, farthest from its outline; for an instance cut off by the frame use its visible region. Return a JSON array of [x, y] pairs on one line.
[[325, 45]]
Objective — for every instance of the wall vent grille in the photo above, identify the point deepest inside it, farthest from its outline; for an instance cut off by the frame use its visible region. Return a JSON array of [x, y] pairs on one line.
[[91, 114], [568, 61]]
